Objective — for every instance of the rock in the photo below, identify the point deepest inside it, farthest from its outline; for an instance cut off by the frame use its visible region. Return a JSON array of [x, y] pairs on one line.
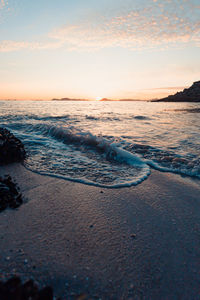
[[13, 289], [46, 294], [11, 148], [82, 297], [133, 235], [192, 94], [9, 194], [30, 289]]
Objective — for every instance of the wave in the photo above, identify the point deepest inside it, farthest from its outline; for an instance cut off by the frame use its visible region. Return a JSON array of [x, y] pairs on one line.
[[181, 169], [101, 118], [167, 161], [134, 160], [23, 117], [122, 184], [108, 150], [141, 118], [186, 110]]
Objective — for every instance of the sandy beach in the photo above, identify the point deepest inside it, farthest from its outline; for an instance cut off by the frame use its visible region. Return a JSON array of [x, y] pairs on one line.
[[141, 242]]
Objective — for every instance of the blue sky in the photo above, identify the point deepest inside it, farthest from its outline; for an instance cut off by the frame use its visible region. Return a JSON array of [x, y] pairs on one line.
[[109, 48]]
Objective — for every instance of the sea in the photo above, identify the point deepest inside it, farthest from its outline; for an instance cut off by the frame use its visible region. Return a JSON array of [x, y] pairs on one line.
[[107, 144]]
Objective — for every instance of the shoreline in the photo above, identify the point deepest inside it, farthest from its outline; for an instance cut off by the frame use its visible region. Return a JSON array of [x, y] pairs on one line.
[[140, 241]]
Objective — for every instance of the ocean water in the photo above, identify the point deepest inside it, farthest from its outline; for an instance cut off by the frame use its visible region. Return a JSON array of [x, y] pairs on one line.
[[109, 144]]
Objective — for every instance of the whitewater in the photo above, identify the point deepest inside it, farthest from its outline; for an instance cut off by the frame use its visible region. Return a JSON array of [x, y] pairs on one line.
[[108, 144]]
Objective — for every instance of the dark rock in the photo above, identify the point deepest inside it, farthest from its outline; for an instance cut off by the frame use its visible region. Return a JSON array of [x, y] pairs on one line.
[[192, 94], [82, 297], [13, 289], [46, 294], [9, 194], [11, 148], [29, 289], [133, 235]]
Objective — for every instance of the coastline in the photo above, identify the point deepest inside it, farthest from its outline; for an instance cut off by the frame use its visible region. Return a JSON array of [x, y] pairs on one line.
[[141, 242]]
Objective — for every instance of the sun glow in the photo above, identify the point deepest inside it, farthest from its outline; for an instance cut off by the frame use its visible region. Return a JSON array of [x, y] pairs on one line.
[[99, 98]]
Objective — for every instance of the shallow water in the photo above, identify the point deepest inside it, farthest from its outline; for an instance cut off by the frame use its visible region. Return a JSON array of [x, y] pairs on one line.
[[104, 143]]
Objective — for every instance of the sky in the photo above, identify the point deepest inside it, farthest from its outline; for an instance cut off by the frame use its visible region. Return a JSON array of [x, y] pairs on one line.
[[141, 49]]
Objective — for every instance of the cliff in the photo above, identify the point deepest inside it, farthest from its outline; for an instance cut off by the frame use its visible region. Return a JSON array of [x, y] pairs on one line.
[[192, 94]]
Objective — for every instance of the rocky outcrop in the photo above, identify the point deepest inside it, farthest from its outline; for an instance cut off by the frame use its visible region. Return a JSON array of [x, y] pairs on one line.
[[11, 148], [14, 289], [9, 194], [192, 94]]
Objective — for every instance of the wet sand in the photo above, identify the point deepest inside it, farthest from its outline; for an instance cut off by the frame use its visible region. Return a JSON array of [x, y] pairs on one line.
[[141, 242]]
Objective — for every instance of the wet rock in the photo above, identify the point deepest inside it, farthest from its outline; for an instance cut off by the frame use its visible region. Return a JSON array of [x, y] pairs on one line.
[[9, 194], [82, 297], [46, 294], [133, 236], [29, 289], [13, 289], [11, 148]]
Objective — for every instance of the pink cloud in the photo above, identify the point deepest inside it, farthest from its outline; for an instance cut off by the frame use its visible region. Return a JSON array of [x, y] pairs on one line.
[[161, 23], [9, 46], [2, 4]]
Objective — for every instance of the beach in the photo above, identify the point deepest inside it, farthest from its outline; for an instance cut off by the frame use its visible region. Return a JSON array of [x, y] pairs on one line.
[[100, 150], [141, 242]]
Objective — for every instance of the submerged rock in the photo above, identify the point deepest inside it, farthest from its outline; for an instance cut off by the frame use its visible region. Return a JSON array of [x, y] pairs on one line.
[[11, 148], [9, 194]]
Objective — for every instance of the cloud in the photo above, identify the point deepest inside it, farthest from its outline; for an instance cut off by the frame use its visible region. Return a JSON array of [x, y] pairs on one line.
[[163, 23], [152, 24], [4, 9], [9, 46], [2, 4], [168, 88]]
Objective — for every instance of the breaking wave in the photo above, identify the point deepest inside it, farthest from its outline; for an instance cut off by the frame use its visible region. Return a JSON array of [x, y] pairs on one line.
[[102, 162], [108, 145]]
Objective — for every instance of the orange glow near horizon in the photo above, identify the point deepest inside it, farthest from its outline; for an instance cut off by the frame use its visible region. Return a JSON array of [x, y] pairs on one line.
[[116, 49], [146, 94], [99, 98]]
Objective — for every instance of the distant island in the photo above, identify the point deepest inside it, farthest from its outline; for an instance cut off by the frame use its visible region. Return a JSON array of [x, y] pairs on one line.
[[69, 99], [192, 94], [103, 99]]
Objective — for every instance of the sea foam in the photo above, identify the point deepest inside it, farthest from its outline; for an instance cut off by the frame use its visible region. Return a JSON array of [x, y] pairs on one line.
[[105, 162], [106, 144]]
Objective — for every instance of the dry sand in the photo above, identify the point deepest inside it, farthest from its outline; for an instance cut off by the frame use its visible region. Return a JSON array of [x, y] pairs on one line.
[[141, 242]]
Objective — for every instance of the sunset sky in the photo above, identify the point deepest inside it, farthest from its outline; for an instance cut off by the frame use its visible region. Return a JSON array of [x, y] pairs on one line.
[[92, 49]]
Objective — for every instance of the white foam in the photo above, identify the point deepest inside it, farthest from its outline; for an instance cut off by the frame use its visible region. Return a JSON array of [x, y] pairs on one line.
[[110, 150], [88, 182], [182, 170]]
